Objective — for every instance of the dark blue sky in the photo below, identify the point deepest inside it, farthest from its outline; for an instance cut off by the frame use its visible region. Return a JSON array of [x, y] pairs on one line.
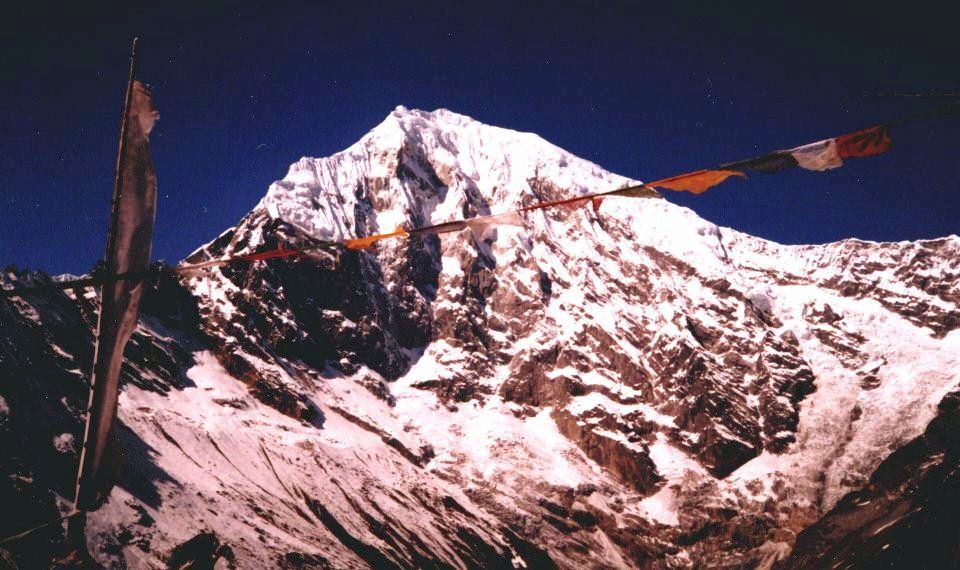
[[644, 91]]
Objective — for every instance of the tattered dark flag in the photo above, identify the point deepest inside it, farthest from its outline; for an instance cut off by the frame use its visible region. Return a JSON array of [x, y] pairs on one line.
[[767, 164], [128, 251]]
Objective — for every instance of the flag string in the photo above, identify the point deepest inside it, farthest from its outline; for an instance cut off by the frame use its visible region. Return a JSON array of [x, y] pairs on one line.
[[819, 156]]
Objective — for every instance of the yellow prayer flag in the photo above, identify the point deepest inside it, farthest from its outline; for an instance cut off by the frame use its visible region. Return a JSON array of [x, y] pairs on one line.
[[367, 242]]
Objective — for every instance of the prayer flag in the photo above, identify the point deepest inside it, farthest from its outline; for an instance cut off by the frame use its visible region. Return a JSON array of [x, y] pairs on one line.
[[820, 156], [696, 182], [867, 142], [768, 164], [483, 226], [367, 242], [128, 251], [446, 227]]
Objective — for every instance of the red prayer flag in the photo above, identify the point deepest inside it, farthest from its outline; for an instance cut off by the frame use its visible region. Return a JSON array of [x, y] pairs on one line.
[[868, 142]]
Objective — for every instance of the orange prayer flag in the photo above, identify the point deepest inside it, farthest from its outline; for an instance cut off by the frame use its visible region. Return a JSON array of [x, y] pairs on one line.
[[367, 242], [868, 142], [697, 182]]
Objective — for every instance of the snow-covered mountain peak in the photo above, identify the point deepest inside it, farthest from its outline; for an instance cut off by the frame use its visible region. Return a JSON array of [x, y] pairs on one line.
[[691, 366], [634, 388], [419, 167]]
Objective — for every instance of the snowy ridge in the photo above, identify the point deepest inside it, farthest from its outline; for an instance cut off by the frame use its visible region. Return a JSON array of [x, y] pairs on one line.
[[471, 167]]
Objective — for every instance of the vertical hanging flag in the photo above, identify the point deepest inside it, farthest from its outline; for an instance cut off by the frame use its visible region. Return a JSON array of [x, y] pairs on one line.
[[128, 251]]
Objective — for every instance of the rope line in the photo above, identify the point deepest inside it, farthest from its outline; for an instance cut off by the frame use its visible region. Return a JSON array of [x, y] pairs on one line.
[[643, 190]]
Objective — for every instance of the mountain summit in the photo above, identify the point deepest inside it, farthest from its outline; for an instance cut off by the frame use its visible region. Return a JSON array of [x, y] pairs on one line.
[[631, 387], [434, 167]]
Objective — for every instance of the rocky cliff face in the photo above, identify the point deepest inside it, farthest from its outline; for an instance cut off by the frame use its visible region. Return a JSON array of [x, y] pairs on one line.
[[633, 387], [907, 515]]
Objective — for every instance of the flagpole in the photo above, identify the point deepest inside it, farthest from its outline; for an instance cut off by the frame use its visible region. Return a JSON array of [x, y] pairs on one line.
[[77, 524]]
